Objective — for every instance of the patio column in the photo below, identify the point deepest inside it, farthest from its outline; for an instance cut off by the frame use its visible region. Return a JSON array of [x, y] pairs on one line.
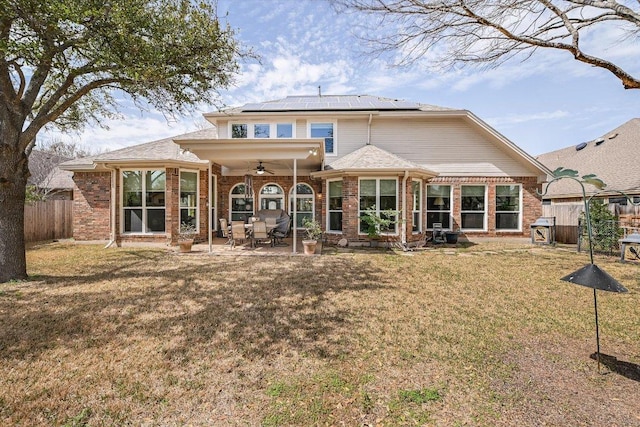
[[209, 230], [295, 204]]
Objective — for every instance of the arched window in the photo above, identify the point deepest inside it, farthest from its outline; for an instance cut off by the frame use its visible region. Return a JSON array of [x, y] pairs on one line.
[[271, 197], [305, 208], [241, 204]]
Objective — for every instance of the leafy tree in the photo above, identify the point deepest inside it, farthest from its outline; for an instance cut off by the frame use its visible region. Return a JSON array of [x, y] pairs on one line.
[[67, 62], [605, 232], [462, 32]]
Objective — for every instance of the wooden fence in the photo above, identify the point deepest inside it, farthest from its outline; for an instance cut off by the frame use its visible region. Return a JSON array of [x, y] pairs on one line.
[[566, 221], [48, 220]]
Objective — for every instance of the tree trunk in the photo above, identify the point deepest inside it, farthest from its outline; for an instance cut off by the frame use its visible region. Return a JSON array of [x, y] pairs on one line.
[[14, 172]]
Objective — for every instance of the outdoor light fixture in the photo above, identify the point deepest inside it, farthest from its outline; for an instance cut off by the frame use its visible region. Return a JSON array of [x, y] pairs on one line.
[[313, 151], [260, 169]]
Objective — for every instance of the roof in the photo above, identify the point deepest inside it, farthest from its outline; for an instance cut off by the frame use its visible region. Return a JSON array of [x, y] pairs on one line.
[[612, 157], [372, 158], [163, 150], [335, 103], [60, 179]]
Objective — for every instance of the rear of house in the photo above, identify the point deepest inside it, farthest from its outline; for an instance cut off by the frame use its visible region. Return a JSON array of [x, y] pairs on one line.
[[330, 158]]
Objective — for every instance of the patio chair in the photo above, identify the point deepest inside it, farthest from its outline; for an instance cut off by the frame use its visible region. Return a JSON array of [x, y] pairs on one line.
[[238, 232], [259, 233], [281, 231], [224, 229]]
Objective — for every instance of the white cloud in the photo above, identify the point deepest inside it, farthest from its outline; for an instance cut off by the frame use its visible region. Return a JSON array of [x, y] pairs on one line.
[[523, 118]]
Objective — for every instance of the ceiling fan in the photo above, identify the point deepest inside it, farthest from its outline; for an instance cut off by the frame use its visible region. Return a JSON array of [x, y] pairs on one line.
[[260, 169]]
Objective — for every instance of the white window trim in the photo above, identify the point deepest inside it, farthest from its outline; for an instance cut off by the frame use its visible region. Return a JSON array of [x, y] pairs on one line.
[[197, 207], [452, 201], [273, 128], [420, 206], [328, 219], [231, 196], [485, 211], [335, 134], [270, 196], [510, 230], [377, 179], [143, 207], [311, 196]]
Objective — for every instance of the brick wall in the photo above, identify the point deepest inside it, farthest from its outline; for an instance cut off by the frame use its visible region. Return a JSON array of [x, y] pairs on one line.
[[91, 198]]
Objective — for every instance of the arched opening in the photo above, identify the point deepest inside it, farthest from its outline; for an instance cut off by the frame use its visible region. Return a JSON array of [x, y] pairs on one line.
[[272, 197], [241, 204], [305, 206]]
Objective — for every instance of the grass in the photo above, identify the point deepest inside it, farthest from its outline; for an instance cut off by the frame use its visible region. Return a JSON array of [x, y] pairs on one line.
[[483, 335]]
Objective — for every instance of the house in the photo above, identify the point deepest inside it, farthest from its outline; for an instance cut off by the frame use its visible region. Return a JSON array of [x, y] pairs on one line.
[[47, 178], [612, 157], [335, 156]]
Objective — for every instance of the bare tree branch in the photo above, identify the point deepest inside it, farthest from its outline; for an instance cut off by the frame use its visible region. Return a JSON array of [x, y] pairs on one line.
[[450, 32]]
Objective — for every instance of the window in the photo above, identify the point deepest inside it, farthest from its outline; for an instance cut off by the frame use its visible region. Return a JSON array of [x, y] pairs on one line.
[[284, 130], [326, 131], [189, 198], [239, 130], [416, 190], [272, 197], [304, 205], [473, 207], [261, 130], [622, 201], [241, 203], [439, 206], [334, 208], [213, 202], [508, 207], [380, 195], [143, 201]]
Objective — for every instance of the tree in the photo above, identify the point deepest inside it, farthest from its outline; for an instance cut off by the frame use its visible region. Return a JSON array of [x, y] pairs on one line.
[[65, 63], [464, 32]]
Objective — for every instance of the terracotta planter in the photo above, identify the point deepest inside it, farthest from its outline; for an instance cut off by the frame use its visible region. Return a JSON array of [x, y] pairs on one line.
[[309, 246], [185, 245]]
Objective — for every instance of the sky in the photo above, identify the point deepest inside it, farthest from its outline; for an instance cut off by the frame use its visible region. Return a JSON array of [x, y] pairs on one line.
[[545, 103]]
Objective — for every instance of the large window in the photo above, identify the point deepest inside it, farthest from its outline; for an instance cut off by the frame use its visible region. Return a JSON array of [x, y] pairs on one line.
[[304, 204], [326, 131], [261, 130], [241, 203], [213, 203], [379, 195], [508, 207], [271, 197], [189, 198], [416, 190], [439, 206], [143, 201], [473, 207], [334, 207]]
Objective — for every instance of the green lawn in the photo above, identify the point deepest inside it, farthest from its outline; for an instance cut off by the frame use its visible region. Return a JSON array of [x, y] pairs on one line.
[[485, 335]]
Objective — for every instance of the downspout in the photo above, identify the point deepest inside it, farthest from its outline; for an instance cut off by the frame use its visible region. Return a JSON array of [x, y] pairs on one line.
[[369, 129], [403, 227], [112, 207]]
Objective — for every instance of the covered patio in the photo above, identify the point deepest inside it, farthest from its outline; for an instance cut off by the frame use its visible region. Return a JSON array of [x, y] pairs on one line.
[[281, 162]]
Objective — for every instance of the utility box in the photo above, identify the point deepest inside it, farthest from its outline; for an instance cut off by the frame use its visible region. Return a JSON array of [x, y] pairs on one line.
[[543, 231], [630, 248]]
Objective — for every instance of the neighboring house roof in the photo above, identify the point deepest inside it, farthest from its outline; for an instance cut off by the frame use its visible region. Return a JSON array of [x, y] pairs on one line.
[[371, 158], [332, 103], [41, 165], [60, 179], [612, 157], [163, 151]]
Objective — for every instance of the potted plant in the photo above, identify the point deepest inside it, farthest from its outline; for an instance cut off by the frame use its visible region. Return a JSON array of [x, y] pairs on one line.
[[186, 235], [313, 232], [377, 223]]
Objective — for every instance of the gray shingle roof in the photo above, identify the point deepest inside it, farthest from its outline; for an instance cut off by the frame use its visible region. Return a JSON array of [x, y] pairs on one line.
[[613, 157], [160, 150], [336, 103]]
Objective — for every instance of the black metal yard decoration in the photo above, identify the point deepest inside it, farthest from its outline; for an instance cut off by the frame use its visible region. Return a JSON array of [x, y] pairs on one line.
[[590, 275]]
